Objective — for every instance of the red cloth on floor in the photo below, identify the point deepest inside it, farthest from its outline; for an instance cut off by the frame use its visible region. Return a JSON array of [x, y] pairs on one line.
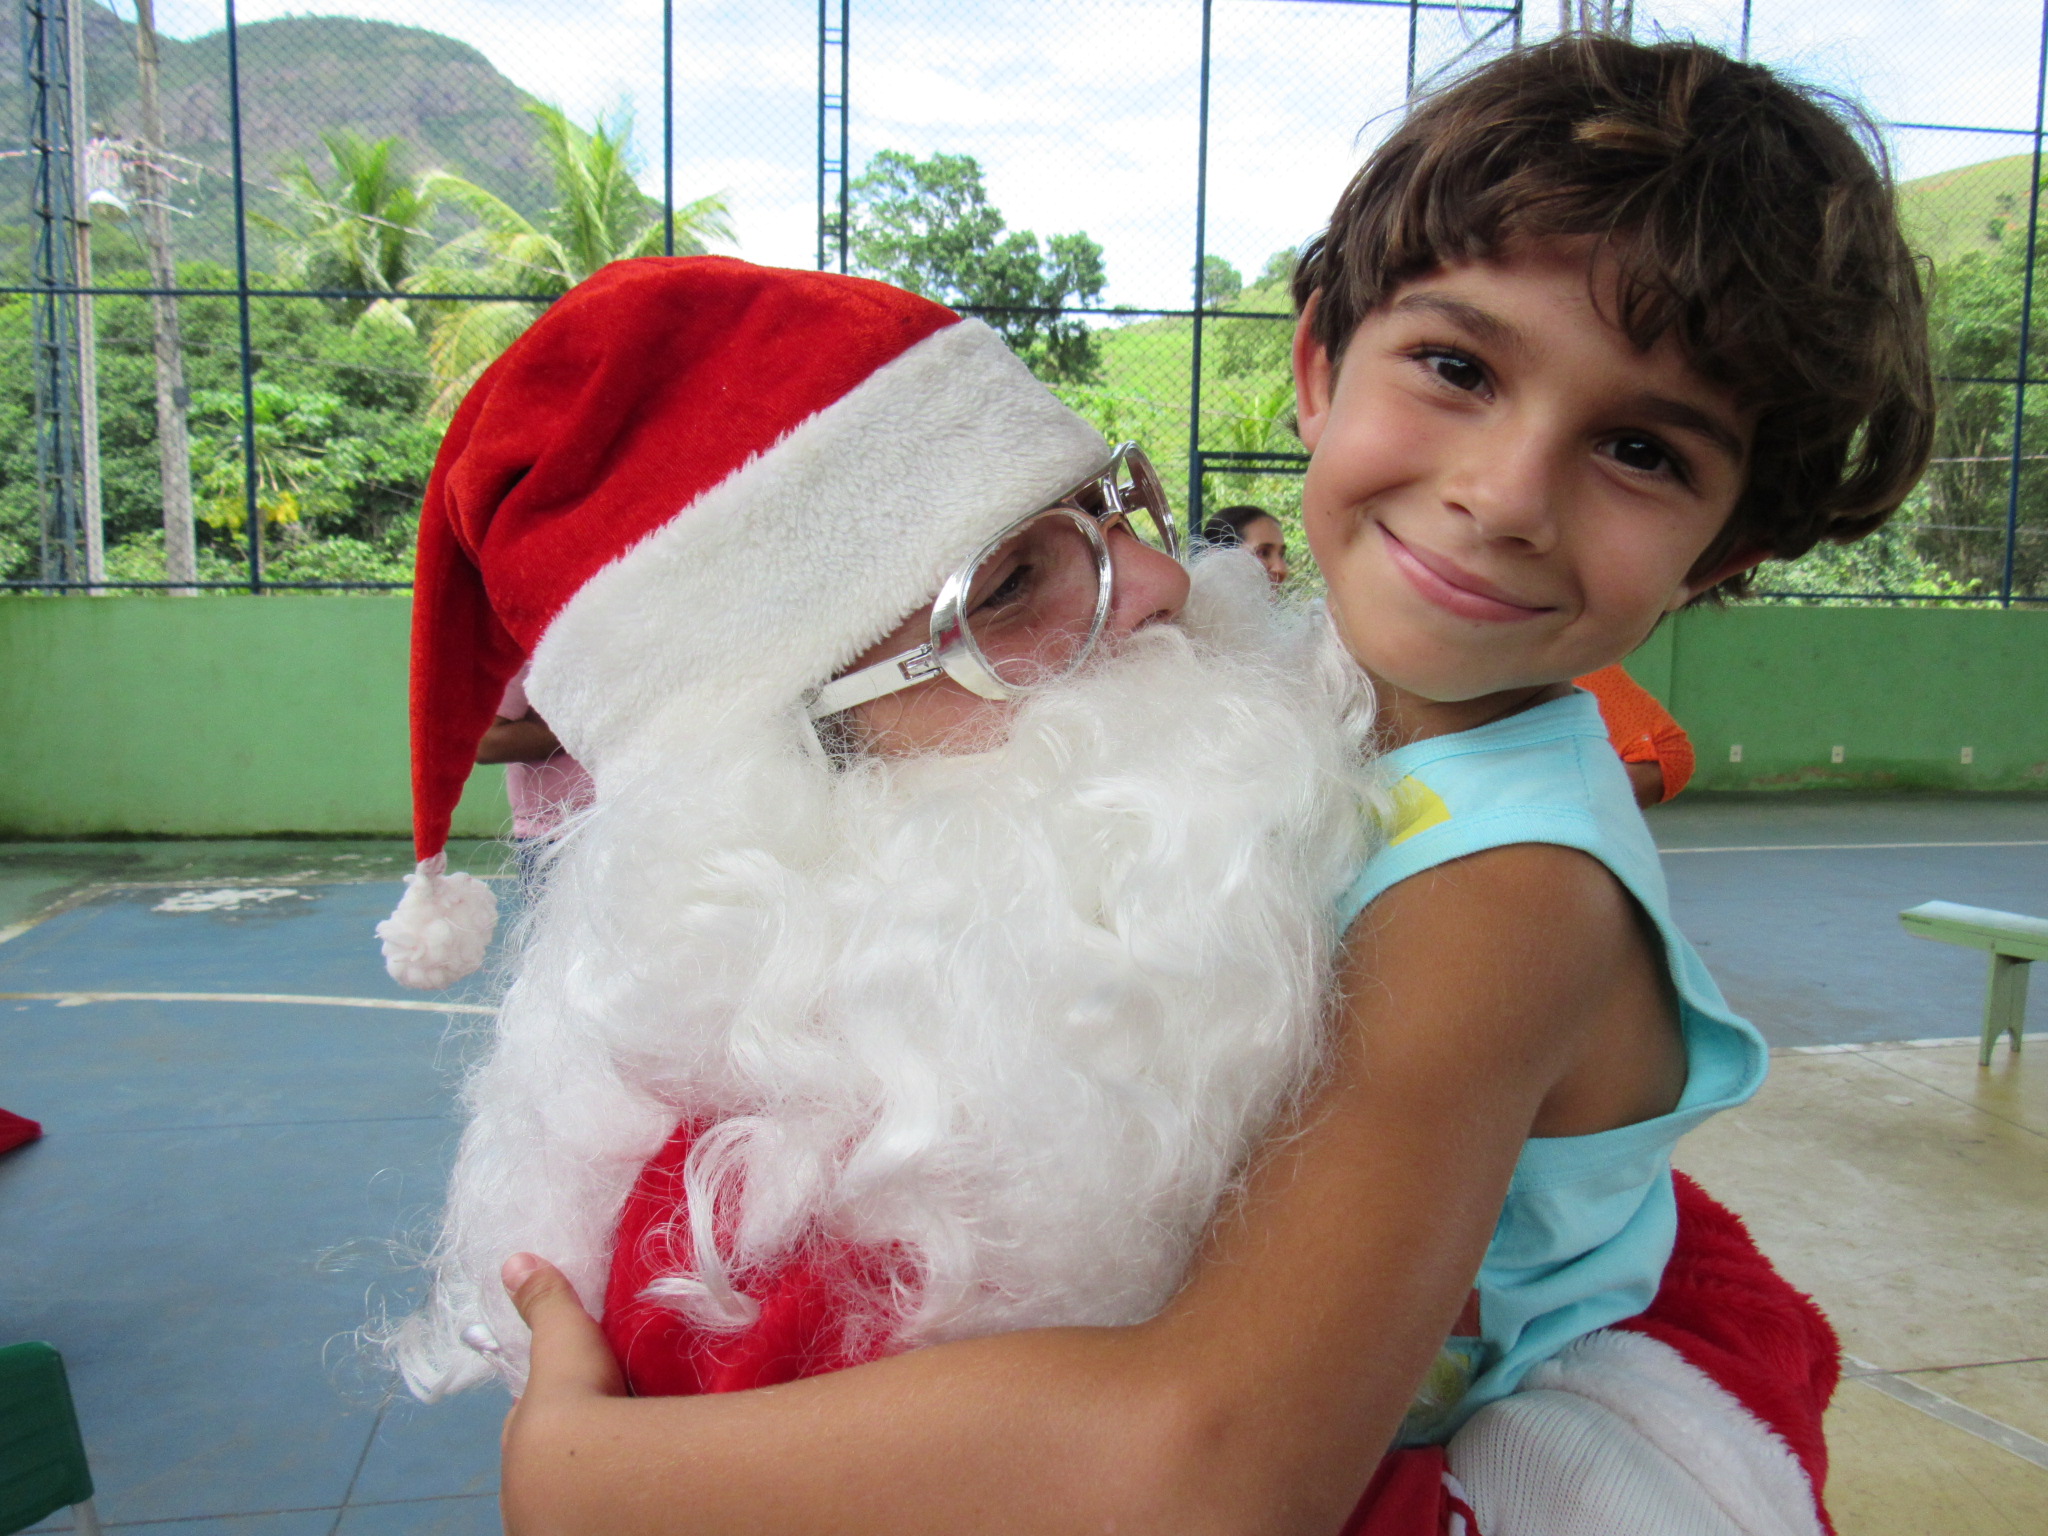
[[17, 1131]]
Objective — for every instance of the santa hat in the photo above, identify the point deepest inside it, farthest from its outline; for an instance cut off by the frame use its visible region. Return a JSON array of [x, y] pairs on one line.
[[695, 484]]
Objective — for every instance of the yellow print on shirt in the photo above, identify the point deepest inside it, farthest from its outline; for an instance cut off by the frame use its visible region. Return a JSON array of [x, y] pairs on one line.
[[1417, 808]]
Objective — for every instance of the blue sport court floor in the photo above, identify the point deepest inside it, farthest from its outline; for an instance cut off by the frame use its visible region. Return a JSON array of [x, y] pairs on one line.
[[245, 1120]]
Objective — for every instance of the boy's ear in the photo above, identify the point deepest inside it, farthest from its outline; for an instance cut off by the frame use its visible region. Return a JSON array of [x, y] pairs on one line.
[[1314, 377], [1743, 558]]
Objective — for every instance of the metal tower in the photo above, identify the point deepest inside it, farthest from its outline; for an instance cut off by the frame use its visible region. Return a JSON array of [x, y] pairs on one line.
[[66, 462]]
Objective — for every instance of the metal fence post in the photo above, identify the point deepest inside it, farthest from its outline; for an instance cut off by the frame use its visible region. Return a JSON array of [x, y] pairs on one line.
[[1201, 276], [668, 127], [249, 487], [832, 105], [2025, 371]]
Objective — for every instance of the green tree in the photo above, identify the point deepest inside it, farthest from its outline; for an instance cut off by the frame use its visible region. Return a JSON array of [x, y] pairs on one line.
[[339, 427], [927, 225], [1278, 271], [1957, 518], [1259, 349], [1221, 282], [600, 215], [364, 230]]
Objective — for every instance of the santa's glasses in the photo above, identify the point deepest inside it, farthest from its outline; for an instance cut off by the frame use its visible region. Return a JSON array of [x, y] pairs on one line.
[[1030, 605]]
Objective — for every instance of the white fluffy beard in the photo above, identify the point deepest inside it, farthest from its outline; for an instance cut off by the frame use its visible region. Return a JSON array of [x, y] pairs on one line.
[[1016, 1019]]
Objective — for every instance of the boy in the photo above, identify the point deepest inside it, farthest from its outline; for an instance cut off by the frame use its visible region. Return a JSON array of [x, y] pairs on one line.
[[1551, 394], [1596, 331]]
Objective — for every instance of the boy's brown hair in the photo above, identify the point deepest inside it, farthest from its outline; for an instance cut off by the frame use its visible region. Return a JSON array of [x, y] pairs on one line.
[[1750, 217]]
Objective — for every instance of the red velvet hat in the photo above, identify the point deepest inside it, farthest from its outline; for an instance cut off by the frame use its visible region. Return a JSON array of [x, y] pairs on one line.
[[695, 483]]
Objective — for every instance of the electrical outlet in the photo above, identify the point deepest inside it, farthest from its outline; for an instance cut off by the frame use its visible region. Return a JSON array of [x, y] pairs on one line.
[[1834, 754], [1969, 756], [1735, 753]]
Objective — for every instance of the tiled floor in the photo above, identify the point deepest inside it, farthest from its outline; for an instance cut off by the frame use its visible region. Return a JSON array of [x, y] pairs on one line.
[[1907, 1190], [209, 1218]]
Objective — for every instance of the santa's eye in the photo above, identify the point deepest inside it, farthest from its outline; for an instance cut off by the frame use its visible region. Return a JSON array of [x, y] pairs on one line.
[[1009, 590]]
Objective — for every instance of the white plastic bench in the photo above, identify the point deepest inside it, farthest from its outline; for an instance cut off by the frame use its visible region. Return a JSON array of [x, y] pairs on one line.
[[2014, 942]]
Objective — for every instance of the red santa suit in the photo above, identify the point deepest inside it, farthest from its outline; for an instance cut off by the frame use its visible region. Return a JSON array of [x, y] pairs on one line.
[[1729, 1371]]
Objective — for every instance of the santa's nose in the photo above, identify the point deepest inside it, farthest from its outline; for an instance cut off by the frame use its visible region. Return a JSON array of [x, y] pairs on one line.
[[1151, 586]]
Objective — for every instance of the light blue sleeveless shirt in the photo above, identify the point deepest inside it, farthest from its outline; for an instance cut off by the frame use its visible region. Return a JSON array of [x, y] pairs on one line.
[[1589, 1221]]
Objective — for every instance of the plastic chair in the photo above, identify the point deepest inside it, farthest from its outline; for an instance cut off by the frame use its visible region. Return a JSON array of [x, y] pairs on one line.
[[42, 1458]]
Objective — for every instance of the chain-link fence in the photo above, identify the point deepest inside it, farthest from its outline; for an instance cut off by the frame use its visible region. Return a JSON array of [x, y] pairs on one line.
[[250, 258]]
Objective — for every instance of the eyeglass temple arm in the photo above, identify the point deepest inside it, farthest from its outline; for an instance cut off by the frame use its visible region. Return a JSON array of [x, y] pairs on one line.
[[874, 681]]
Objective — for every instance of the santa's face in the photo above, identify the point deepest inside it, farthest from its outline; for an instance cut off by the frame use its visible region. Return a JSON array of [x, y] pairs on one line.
[[1016, 1016], [939, 715]]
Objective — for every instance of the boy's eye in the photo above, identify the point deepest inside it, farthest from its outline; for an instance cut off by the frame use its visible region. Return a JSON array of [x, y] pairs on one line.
[[1456, 370], [1643, 453]]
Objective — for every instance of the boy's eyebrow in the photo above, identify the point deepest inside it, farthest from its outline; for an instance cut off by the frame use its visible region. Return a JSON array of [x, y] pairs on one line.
[[1665, 411], [1482, 323]]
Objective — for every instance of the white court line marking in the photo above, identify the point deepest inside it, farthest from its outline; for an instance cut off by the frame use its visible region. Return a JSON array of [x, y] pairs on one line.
[[86, 893], [75, 999], [2036, 842], [1928, 1044], [1949, 1411]]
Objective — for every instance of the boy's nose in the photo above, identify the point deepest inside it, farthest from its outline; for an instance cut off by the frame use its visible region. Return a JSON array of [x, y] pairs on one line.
[[1506, 485], [1150, 584]]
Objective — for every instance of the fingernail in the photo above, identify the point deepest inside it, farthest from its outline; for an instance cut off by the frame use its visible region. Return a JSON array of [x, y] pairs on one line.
[[518, 1269]]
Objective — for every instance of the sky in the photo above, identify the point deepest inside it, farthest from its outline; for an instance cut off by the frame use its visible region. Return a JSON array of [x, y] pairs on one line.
[[1084, 113]]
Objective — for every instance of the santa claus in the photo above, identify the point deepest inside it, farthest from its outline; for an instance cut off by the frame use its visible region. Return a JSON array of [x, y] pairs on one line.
[[915, 980]]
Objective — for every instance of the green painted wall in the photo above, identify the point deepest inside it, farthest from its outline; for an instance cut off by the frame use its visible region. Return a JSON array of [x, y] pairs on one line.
[[211, 717], [1901, 691], [233, 716]]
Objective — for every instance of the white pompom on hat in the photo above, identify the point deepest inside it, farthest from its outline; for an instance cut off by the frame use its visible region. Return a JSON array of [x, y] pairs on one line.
[[441, 928], [695, 483]]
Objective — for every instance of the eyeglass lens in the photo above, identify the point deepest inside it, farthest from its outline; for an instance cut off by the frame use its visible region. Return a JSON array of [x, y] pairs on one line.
[[1032, 601]]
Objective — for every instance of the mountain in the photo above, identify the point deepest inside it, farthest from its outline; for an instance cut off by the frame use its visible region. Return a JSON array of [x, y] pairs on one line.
[[1955, 211], [301, 76]]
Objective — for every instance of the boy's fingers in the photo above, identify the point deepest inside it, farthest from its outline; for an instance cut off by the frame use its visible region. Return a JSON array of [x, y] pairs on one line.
[[570, 1355]]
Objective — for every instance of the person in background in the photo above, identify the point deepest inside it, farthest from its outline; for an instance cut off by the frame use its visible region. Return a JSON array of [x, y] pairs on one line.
[[1255, 529], [1654, 747]]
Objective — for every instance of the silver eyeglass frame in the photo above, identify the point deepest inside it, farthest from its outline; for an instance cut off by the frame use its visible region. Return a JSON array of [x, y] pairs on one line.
[[952, 649]]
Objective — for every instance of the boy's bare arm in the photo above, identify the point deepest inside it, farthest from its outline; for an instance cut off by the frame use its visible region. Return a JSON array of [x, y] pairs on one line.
[[1261, 1399], [528, 739]]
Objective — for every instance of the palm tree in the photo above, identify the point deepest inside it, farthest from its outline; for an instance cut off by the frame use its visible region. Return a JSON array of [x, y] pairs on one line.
[[600, 215], [365, 230]]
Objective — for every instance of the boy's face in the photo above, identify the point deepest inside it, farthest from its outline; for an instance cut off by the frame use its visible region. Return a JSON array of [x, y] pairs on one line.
[[1503, 491]]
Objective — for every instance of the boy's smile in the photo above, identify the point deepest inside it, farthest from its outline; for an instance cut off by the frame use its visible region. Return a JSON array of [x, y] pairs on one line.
[[1504, 493]]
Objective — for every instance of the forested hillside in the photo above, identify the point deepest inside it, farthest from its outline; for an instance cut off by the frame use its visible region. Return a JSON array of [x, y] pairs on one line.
[[301, 76]]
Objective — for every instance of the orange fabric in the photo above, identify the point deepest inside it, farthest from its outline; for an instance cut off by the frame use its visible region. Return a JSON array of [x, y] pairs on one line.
[[1639, 728]]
